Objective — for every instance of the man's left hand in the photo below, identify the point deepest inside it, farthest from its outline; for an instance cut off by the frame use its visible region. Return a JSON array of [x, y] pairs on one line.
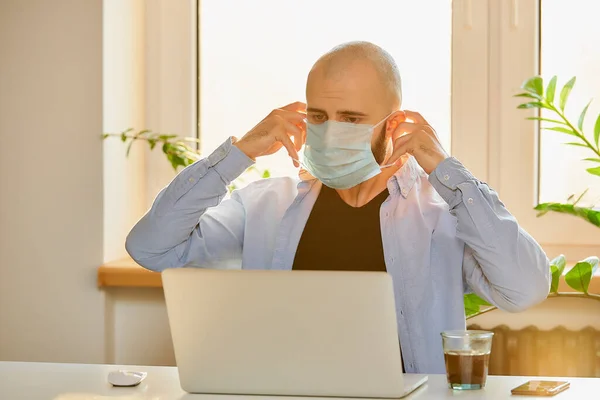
[[416, 137]]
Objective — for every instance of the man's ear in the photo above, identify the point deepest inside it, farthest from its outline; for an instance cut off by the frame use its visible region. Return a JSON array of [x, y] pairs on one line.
[[393, 121]]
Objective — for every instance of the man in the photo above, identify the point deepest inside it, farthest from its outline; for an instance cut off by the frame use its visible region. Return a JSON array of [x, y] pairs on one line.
[[382, 195]]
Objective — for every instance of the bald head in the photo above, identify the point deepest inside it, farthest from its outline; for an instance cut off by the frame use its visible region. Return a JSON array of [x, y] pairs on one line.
[[340, 60]]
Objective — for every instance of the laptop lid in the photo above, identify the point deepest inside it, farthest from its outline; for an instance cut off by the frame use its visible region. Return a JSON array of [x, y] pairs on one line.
[[313, 333]]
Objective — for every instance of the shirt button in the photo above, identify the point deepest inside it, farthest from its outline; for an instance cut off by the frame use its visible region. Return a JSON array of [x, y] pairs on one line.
[[392, 259], [404, 192], [387, 214], [446, 177], [470, 200], [191, 180]]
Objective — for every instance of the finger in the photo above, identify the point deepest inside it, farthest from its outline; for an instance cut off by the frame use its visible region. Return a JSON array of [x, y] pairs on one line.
[[415, 117], [296, 132], [297, 106], [403, 128], [401, 146], [289, 126], [290, 115], [287, 143]]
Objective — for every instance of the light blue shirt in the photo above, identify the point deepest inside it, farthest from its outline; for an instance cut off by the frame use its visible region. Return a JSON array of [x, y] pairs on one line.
[[443, 235]]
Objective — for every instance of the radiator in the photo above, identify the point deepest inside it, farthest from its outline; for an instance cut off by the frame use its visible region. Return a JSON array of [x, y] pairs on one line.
[[557, 352]]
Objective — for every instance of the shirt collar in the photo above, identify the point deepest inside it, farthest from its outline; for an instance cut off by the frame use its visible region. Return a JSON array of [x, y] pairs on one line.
[[404, 179]]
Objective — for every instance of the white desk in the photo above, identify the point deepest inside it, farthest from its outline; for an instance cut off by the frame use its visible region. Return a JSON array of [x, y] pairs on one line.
[[37, 381]]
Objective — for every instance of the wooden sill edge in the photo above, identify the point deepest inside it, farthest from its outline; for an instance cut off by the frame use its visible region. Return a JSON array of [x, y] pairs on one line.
[[127, 273]]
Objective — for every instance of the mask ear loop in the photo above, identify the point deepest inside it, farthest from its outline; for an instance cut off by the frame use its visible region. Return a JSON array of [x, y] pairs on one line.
[[299, 163], [374, 126]]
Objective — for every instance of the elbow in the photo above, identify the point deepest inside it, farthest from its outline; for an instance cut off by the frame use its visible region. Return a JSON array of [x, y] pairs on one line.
[[532, 290], [135, 249], [535, 278], [523, 301]]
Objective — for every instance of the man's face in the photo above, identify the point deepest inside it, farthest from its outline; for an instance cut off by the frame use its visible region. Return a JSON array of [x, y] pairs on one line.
[[355, 95]]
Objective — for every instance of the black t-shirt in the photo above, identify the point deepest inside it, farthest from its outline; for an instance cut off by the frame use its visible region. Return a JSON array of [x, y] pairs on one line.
[[339, 237]]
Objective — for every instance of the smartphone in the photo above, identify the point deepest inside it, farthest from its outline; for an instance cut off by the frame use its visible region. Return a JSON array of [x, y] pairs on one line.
[[541, 388]]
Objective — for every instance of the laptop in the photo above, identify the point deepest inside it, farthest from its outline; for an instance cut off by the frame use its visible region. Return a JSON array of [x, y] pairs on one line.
[[286, 333]]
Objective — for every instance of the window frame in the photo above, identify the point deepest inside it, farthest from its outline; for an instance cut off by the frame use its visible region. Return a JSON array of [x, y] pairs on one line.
[[514, 141]]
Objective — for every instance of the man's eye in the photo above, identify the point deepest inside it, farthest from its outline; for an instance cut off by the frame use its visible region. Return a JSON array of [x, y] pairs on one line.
[[351, 120], [318, 117]]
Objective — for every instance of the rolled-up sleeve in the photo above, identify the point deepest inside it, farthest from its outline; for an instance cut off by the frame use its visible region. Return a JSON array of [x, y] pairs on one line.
[[502, 262]]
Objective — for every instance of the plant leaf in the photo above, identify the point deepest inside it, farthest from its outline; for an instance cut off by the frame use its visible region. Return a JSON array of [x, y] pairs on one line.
[[554, 121], [582, 116], [557, 266], [580, 275], [177, 161], [129, 148], [588, 214], [473, 303], [105, 135], [266, 174], [592, 159], [533, 104], [577, 144], [564, 93], [594, 171], [123, 137], [529, 95], [561, 129], [580, 197], [152, 143], [166, 137], [597, 131], [551, 89], [534, 85]]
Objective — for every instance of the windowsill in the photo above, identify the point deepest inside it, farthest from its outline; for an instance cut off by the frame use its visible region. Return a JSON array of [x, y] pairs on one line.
[[127, 273]]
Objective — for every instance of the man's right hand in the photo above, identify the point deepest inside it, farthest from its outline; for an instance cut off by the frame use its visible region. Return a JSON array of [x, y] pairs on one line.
[[276, 131]]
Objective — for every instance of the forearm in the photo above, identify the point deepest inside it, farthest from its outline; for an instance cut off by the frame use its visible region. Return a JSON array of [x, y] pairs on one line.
[[160, 238], [502, 261]]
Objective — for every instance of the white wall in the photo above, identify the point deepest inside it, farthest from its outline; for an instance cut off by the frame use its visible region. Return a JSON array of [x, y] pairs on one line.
[[137, 327], [124, 107], [51, 207]]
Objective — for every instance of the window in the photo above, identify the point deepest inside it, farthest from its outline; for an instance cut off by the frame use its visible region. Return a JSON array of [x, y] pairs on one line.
[[525, 165], [255, 56], [570, 46]]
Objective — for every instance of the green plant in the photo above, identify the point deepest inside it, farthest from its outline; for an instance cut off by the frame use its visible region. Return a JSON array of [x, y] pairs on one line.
[[178, 151], [538, 97]]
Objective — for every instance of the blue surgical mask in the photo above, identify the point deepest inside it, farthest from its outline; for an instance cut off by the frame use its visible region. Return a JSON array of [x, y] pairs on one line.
[[339, 153]]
